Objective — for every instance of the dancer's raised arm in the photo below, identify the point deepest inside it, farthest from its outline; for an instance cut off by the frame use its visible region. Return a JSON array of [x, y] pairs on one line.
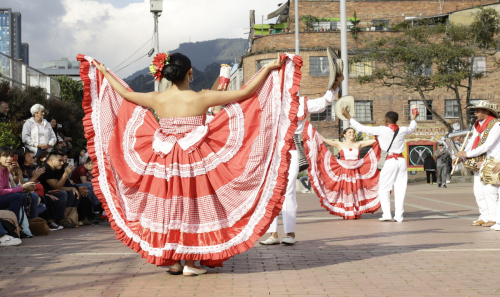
[[366, 143], [331, 142], [214, 98]]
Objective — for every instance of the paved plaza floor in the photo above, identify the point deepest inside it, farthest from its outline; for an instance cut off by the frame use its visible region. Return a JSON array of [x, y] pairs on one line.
[[434, 252]]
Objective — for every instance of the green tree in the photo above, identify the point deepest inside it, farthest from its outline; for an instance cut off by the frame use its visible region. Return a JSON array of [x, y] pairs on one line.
[[407, 59], [71, 90]]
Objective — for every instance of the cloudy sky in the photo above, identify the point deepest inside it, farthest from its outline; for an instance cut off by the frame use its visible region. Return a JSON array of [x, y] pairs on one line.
[[111, 30]]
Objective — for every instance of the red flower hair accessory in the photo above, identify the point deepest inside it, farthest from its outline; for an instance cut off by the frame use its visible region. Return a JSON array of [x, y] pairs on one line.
[[160, 60]]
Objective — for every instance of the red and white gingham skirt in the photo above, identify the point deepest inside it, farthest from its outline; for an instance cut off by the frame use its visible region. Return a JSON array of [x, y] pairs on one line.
[[346, 188], [205, 192]]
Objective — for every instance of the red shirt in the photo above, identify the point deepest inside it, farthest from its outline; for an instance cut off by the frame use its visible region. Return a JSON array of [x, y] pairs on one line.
[[77, 173]]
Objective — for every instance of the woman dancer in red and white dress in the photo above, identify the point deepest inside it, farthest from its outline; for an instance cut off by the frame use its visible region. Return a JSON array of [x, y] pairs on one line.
[[347, 187], [181, 189]]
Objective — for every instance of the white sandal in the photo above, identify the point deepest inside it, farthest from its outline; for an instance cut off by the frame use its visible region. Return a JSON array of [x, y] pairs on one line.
[[191, 271], [175, 269], [271, 240]]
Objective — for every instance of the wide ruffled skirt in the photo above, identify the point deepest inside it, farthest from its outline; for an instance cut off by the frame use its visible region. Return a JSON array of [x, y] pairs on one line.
[[346, 188], [205, 199]]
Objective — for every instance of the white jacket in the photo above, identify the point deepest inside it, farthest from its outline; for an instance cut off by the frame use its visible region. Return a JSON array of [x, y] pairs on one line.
[[30, 134]]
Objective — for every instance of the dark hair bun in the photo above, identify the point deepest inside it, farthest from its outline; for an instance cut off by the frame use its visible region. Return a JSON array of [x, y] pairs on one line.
[[177, 68]]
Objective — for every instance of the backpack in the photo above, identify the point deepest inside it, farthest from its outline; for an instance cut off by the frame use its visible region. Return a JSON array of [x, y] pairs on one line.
[[9, 222]]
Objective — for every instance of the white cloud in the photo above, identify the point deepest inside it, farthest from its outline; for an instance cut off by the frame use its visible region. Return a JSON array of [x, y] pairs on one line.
[[111, 34]]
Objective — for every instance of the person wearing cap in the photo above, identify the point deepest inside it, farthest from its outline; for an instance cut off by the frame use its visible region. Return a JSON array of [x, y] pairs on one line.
[[485, 140], [442, 156], [394, 173], [289, 210]]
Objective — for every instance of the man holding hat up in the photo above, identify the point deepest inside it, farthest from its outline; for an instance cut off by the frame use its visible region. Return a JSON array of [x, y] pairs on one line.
[[485, 141], [394, 173], [289, 210]]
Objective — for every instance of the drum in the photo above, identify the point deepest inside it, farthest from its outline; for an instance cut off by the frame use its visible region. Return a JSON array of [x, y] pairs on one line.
[[471, 164], [485, 172]]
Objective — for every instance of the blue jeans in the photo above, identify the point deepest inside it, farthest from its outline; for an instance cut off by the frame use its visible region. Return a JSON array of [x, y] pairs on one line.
[[92, 197], [56, 208], [2, 231], [303, 181], [34, 204], [12, 202], [72, 200]]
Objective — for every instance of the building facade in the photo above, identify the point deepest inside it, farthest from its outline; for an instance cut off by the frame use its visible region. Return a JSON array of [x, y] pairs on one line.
[[11, 36], [371, 101]]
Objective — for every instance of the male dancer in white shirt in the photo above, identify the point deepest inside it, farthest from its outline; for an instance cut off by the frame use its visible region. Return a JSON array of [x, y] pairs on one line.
[[486, 195], [394, 173], [289, 210]]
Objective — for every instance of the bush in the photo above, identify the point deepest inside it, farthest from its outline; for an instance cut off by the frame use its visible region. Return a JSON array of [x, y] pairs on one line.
[[8, 136]]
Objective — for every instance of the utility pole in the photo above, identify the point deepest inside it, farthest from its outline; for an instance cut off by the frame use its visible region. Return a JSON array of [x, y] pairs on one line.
[[344, 52], [297, 47], [156, 8]]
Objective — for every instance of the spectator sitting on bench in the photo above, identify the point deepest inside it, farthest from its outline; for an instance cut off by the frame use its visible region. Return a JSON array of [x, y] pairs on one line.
[[55, 183]]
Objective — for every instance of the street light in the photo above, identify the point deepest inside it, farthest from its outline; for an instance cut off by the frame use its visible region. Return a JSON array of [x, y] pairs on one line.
[[156, 7]]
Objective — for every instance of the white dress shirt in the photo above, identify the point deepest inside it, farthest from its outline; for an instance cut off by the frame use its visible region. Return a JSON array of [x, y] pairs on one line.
[[314, 106], [491, 146], [385, 135]]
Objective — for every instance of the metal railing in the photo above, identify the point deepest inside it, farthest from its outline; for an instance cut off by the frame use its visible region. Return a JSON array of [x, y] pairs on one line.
[[21, 75]]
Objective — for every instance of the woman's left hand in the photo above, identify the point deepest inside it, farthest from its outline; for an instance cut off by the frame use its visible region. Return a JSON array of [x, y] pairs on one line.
[[100, 67]]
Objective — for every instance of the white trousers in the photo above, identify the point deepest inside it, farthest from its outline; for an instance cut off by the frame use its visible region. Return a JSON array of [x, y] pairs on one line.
[[480, 198], [491, 197], [289, 210], [394, 174]]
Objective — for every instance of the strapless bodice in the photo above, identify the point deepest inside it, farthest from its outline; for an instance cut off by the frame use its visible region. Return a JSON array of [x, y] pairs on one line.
[[188, 132], [349, 154], [181, 125]]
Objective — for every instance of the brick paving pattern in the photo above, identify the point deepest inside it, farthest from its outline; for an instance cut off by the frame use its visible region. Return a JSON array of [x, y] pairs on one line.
[[434, 252]]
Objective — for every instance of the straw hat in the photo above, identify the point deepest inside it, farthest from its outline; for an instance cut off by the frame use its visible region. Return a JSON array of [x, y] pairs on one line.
[[485, 104], [346, 102], [336, 66]]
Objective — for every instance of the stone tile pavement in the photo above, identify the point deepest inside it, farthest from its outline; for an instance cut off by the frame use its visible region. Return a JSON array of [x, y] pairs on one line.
[[434, 252]]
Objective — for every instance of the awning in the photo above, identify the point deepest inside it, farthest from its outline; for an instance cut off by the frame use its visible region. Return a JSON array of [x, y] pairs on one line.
[[267, 26], [279, 11]]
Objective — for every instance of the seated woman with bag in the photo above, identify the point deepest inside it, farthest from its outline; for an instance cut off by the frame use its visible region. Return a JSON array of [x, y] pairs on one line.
[[13, 199]]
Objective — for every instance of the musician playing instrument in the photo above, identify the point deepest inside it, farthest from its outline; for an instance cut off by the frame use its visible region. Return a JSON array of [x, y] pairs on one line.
[[485, 141]]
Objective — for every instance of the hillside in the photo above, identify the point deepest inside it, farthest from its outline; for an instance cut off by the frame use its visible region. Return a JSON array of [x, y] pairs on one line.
[[202, 54]]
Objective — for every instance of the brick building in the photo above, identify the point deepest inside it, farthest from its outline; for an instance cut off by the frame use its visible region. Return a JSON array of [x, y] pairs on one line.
[[372, 101]]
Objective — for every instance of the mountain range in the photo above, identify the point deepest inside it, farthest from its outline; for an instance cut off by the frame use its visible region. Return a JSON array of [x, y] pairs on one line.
[[206, 55]]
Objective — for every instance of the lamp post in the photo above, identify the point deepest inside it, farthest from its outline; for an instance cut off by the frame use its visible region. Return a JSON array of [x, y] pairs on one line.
[[297, 48], [156, 7], [343, 52]]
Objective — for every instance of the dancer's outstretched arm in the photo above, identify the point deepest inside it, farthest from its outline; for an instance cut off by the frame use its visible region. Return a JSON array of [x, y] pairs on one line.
[[331, 142], [208, 98], [214, 98], [366, 143]]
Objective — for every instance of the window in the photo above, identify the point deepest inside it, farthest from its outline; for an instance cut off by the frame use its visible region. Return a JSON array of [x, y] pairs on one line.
[[424, 114], [363, 111], [324, 116], [360, 68], [423, 70], [338, 25], [381, 25], [479, 65], [319, 66], [318, 26], [451, 109], [262, 63], [470, 111]]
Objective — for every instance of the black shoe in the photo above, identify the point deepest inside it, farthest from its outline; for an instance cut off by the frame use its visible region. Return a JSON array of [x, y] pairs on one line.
[[439, 185], [66, 224], [24, 235], [444, 186]]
